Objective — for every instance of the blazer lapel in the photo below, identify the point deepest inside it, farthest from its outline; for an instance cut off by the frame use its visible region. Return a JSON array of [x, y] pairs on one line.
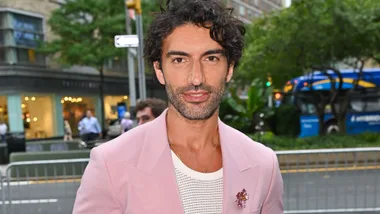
[[152, 182], [238, 173]]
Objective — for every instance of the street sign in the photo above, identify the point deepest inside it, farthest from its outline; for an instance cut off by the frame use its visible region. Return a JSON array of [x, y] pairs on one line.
[[126, 41]]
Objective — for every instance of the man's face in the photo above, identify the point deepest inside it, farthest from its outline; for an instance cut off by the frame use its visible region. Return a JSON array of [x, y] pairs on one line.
[[194, 70], [88, 114], [144, 116]]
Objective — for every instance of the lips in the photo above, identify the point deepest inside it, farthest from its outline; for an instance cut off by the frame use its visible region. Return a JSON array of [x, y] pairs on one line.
[[196, 97]]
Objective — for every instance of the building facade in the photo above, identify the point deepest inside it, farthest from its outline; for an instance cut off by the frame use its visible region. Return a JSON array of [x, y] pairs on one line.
[[247, 10], [37, 95]]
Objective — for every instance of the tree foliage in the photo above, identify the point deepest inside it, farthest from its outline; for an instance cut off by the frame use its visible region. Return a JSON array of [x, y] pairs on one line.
[[314, 35], [311, 33], [150, 9], [85, 30]]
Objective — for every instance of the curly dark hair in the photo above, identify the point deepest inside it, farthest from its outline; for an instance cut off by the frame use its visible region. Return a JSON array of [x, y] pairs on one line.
[[156, 105], [225, 29]]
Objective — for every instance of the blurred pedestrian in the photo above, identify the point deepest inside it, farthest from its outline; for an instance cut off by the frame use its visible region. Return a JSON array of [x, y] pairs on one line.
[[3, 131], [68, 133], [81, 127], [148, 109], [89, 128], [126, 123]]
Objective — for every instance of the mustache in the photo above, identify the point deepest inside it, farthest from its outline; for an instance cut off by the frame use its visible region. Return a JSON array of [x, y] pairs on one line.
[[202, 87]]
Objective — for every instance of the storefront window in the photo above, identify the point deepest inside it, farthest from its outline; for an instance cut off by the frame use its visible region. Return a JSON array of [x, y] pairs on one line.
[[37, 116], [74, 109], [21, 34], [27, 55], [27, 30], [111, 104], [3, 109]]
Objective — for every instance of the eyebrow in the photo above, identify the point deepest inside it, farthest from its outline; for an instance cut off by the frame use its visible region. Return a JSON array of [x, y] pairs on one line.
[[209, 52]]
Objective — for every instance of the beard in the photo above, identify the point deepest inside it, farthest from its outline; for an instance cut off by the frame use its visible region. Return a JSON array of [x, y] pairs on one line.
[[201, 111]]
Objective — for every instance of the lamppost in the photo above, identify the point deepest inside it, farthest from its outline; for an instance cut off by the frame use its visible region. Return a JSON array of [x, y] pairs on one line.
[[131, 64], [136, 6]]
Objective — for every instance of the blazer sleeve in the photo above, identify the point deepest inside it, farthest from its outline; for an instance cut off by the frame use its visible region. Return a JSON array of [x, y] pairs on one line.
[[96, 194], [273, 203]]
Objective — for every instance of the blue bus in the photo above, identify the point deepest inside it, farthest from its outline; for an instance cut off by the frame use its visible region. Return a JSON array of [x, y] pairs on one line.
[[364, 104]]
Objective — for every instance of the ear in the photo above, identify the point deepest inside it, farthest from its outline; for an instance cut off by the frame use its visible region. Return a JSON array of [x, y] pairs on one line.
[[230, 72], [159, 72]]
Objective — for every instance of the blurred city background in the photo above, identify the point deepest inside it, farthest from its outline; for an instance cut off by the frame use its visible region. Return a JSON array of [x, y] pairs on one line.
[[307, 86]]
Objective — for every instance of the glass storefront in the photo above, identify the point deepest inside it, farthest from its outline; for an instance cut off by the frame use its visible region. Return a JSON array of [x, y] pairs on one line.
[[42, 114], [3, 109], [74, 109], [37, 115], [111, 104], [114, 108]]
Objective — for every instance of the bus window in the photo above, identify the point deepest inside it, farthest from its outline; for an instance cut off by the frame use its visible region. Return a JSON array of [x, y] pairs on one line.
[[306, 108], [357, 105], [369, 104], [372, 104]]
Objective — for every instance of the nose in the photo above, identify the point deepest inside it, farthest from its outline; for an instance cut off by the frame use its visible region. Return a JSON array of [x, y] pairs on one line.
[[196, 77]]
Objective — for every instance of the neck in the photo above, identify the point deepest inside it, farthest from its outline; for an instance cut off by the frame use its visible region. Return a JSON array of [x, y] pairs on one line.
[[191, 134]]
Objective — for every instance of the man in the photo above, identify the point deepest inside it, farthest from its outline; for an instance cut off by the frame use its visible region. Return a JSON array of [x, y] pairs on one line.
[[89, 127], [186, 160], [149, 109], [126, 123]]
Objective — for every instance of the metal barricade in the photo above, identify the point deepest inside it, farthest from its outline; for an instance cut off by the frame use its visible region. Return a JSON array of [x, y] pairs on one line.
[[315, 181], [42, 186], [55, 145], [331, 180], [3, 210]]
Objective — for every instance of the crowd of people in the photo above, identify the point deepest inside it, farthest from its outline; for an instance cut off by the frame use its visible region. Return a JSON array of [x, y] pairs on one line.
[[90, 128]]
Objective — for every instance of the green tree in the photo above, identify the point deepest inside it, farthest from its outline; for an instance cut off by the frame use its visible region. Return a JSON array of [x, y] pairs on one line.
[[150, 9], [314, 35], [85, 30]]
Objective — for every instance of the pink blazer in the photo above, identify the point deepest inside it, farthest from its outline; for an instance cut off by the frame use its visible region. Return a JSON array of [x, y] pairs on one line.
[[134, 173]]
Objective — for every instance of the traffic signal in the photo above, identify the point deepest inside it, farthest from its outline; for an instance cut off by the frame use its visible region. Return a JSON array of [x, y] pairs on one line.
[[269, 82], [277, 96], [134, 4]]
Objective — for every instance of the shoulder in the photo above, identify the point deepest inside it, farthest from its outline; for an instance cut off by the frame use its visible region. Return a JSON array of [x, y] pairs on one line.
[[126, 147]]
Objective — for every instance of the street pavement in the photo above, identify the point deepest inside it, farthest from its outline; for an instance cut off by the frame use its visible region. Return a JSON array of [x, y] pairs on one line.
[[332, 191], [304, 193], [44, 198]]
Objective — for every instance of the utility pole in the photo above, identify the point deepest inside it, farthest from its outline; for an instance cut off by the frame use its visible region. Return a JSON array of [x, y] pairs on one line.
[[136, 5], [131, 65]]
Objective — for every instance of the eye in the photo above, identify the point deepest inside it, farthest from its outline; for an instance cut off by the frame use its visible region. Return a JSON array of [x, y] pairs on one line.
[[178, 60], [212, 58]]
